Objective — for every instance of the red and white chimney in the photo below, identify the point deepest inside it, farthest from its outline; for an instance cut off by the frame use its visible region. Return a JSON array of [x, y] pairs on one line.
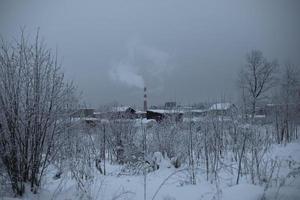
[[145, 99]]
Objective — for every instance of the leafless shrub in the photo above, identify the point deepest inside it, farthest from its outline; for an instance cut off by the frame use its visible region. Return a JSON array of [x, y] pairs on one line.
[[35, 103]]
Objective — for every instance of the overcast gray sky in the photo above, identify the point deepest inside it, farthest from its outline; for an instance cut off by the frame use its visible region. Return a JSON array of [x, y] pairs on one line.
[[183, 50]]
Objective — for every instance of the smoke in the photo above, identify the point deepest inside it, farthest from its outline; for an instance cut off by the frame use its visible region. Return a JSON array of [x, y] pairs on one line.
[[141, 64], [128, 74]]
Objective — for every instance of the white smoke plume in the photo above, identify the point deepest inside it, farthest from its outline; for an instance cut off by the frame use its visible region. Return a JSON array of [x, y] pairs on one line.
[[127, 74], [142, 61]]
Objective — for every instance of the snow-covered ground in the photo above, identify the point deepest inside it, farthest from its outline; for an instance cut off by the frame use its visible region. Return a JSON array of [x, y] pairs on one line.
[[116, 185]]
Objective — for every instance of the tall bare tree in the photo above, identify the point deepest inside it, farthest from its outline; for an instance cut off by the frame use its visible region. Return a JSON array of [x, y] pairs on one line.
[[286, 115], [256, 78]]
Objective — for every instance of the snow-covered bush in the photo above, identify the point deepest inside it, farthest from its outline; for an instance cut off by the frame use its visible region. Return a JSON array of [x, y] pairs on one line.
[[35, 106]]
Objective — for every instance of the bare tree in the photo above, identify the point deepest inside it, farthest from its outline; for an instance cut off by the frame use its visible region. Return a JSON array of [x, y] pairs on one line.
[[34, 105], [287, 103], [256, 78]]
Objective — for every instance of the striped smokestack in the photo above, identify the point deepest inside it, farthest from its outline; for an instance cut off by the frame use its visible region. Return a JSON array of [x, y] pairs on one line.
[[145, 99]]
